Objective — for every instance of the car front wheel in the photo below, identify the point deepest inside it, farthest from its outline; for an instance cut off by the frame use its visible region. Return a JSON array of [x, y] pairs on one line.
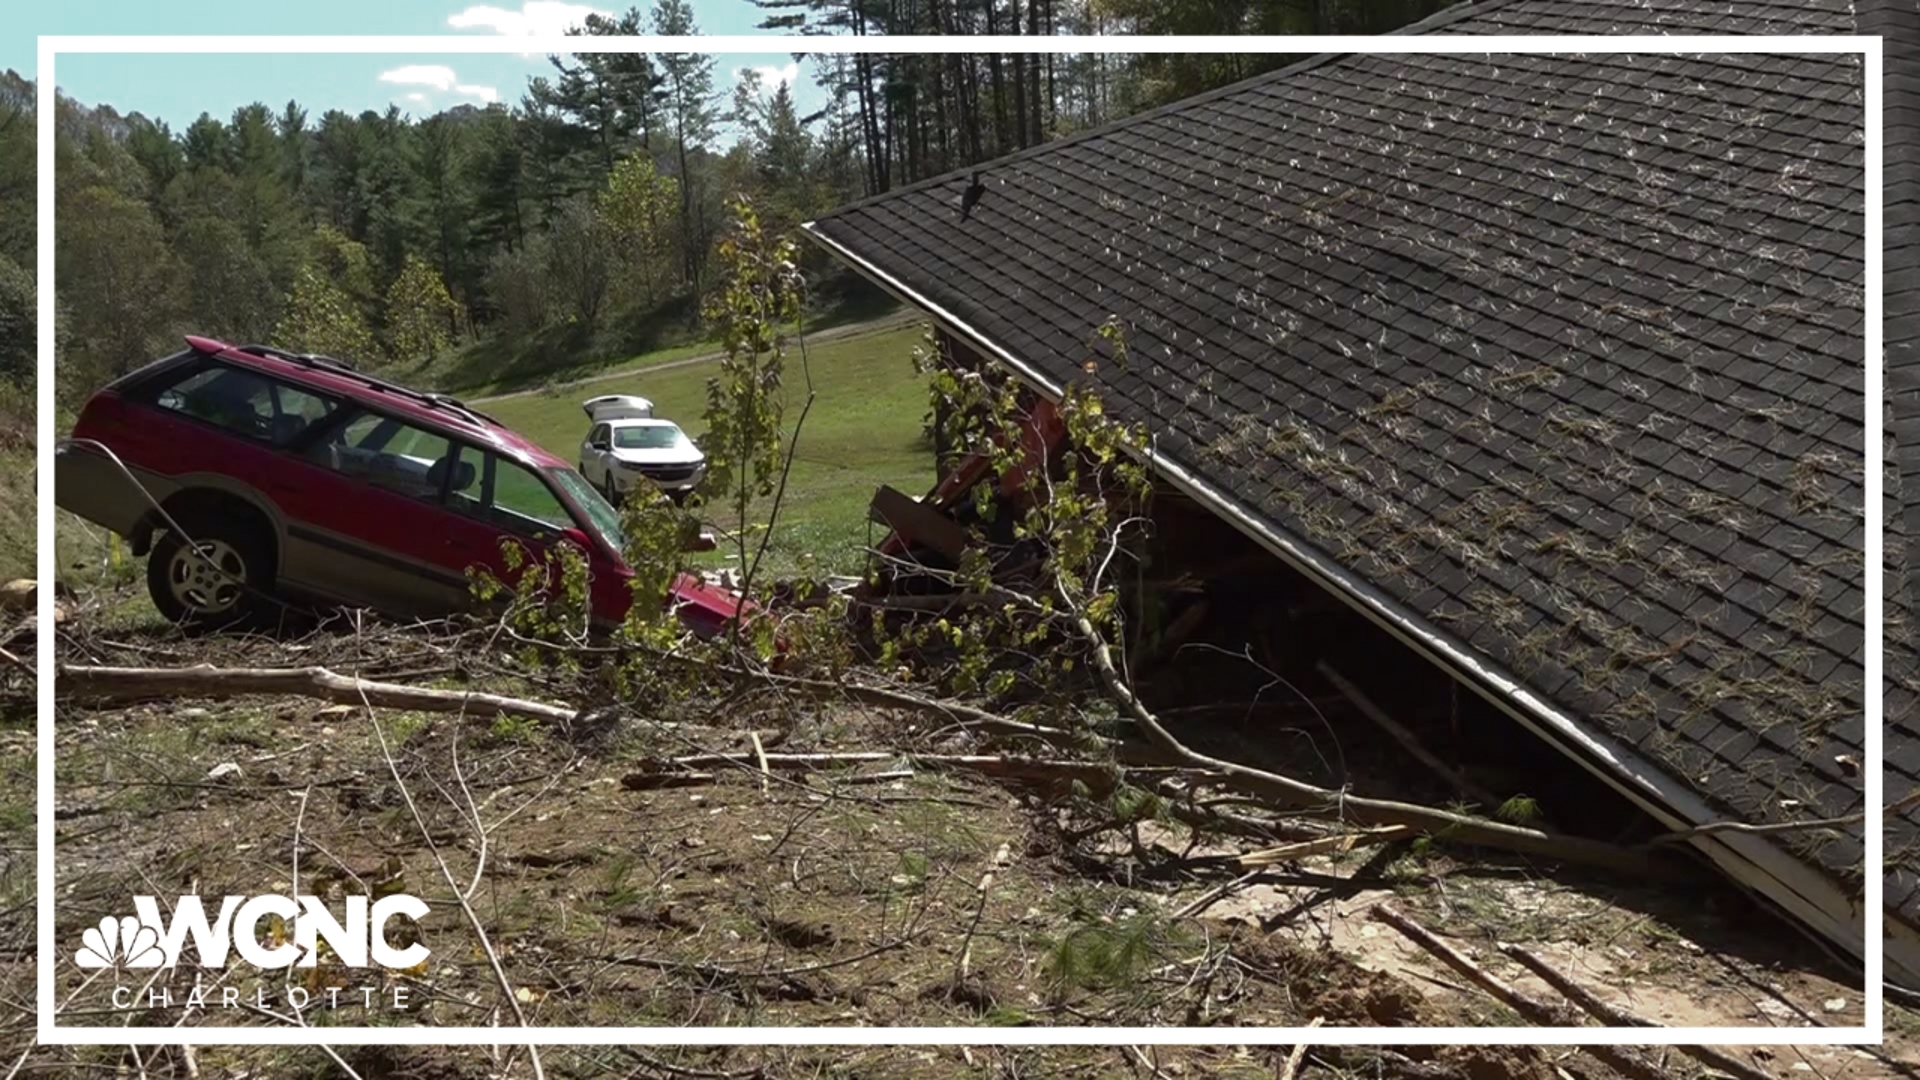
[[218, 587], [609, 489]]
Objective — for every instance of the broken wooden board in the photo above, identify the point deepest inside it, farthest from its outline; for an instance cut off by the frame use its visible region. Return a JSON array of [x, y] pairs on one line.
[[916, 522]]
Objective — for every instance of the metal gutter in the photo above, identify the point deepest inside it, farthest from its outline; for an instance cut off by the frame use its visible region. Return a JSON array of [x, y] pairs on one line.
[[1810, 898]]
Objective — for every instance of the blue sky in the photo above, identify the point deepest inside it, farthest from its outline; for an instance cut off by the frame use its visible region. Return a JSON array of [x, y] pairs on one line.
[[179, 87]]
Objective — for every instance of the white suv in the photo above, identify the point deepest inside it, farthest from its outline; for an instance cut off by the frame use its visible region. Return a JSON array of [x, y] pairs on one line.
[[627, 444]]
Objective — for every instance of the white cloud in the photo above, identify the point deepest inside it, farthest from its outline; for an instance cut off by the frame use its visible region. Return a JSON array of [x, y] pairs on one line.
[[441, 80], [438, 76], [771, 77], [536, 18]]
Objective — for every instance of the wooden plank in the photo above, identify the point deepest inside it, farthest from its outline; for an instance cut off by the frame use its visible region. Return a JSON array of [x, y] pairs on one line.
[[918, 523]]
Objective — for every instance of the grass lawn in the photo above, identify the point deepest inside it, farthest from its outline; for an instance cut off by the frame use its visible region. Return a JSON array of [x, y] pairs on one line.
[[590, 371], [864, 431]]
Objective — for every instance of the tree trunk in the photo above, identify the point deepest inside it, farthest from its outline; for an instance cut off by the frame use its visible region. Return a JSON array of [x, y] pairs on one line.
[[997, 73], [1020, 65], [1036, 132]]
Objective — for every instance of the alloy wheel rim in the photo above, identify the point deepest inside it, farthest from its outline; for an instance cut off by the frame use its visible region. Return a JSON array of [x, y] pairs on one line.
[[199, 586]]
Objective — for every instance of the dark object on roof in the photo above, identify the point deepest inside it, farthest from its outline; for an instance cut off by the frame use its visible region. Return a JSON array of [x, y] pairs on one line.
[[1552, 364], [971, 197]]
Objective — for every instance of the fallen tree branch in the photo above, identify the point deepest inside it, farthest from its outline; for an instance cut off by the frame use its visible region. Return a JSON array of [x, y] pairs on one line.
[[1366, 1061], [1292, 1068], [206, 681], [669, 1068], [1443, 824], [1214, 895], [23, 665], [1406, 738], [824, 689], [759, 751], [1533, 1009], [1096, 776], [1325, 845], [1899, 806], [1613, 1016]]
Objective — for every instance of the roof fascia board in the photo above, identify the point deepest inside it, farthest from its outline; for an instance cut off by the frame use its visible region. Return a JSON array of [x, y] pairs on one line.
[[1811, 899]]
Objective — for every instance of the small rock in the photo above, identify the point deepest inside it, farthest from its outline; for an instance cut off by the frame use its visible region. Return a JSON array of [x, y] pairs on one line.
[[1834, 1005], [223, 770], [1800, 1066], [191, 714], [1761, 1053], [18, 595]]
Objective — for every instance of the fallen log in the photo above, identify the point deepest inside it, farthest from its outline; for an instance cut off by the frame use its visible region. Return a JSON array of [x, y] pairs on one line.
[[111, 684], [1614, 1016], [1533, 1009]]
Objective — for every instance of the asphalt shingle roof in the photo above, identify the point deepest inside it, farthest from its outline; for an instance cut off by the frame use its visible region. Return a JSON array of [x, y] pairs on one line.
[[1564, 353]]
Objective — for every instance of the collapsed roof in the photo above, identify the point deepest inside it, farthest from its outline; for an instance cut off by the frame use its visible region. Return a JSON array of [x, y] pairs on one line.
[[1551, 364]]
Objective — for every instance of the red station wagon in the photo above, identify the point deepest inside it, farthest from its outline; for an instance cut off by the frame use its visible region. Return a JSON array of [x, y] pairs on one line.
[[305, 478]]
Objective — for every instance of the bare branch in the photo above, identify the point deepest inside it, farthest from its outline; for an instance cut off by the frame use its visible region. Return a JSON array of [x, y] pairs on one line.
[[207, 681]]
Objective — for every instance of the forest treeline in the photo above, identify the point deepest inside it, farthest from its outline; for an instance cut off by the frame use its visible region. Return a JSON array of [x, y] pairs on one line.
[[584, 213]]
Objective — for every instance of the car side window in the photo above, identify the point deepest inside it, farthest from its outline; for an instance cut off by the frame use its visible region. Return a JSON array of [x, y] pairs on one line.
[[522, 500], [389, 454], [598, 437], [509, 495], [246, 403]]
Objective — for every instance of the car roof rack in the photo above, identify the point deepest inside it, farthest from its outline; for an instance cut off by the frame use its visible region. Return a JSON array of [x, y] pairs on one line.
[[347, 370]]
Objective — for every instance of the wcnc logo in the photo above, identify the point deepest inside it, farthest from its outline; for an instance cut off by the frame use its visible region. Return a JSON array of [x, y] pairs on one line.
[[147, 940]]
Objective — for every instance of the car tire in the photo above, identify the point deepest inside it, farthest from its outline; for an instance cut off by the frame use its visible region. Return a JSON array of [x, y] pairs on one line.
[[188, 592], [608, 489]]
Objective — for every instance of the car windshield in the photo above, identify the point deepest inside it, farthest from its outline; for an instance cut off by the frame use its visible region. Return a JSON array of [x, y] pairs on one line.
[[605, 520], [649, 437]]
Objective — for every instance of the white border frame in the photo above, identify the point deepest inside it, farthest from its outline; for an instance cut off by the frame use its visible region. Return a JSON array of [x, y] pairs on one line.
[[1868, 47]]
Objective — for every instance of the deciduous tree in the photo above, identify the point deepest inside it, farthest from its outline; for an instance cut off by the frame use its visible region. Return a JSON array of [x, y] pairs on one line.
[[420, 313], [322, 318]]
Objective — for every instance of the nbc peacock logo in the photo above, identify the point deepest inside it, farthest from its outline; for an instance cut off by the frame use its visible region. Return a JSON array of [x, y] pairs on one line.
[[125, 942]]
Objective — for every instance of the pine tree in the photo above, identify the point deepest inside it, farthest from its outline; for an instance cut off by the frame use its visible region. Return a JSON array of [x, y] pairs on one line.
[[691, 115]]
